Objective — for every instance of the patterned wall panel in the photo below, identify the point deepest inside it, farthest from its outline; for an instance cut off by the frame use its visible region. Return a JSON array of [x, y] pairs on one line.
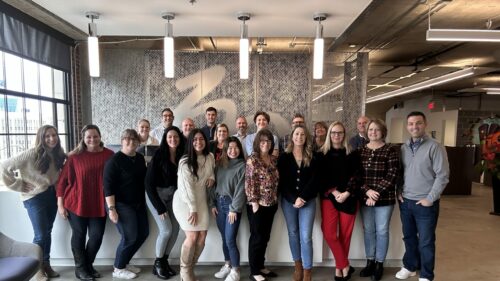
[[132, 86]]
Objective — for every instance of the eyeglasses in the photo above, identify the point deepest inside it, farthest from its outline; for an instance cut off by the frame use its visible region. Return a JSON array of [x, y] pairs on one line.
[[134, 140], [335, 133]]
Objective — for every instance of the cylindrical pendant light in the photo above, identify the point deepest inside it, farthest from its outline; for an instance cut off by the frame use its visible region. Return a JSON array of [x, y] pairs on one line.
[[319, 46], [168, 46], [93, 45], [244, 46]]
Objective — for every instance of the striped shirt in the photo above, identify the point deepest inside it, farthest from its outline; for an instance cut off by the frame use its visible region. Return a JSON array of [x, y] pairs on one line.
[[380, 173]]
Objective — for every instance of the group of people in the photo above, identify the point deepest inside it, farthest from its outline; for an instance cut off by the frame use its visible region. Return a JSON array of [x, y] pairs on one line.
[[198, 172]]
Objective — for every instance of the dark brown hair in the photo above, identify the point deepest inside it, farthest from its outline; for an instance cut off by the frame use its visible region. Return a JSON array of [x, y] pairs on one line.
[[256, 141]]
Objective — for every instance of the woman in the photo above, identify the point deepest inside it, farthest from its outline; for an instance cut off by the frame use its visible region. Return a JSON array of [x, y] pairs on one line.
[[380, 170], [38, 169], [161, 183], [339, 168], [320, 129], [124, 191], [261, 188], [297, 168], [143, 128], [80, 199], [217, 144], [195, 175], [227, 204]]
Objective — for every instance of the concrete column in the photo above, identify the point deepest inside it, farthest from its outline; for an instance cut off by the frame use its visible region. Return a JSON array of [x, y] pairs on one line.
[[354, 95]]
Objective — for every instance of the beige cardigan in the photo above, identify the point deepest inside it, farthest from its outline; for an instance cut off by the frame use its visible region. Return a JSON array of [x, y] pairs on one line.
[[21, 168]]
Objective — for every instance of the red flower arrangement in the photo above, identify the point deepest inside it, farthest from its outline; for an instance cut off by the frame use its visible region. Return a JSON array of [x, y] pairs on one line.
[[490, 149]]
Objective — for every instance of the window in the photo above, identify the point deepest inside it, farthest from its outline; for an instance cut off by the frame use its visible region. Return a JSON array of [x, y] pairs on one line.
[[31, 95]]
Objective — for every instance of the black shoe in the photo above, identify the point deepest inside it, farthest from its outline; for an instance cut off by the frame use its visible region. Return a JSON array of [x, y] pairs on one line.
[[338, 278], [167, 267], [378, 272], [368, 270], [159, 270], [269, 274], [93, 272], [349, 273]]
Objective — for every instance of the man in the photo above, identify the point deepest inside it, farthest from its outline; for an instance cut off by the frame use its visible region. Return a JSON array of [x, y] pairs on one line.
[[241, 134], [209, 128], [298, 119], [167, 117], [187, 126], [359, 140], [261, 120], [426, 173]]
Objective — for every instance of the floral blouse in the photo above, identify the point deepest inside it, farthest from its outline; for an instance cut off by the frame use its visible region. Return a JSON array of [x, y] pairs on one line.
[[261, 181]]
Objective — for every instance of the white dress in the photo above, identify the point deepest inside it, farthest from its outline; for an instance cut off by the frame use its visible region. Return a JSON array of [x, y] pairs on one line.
[[191, 194]]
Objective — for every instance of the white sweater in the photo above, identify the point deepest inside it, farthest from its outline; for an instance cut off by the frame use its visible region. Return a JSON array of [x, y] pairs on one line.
[[24, 165]]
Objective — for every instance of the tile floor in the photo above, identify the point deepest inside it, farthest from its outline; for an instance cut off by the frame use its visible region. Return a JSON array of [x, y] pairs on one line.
[[468, 246]]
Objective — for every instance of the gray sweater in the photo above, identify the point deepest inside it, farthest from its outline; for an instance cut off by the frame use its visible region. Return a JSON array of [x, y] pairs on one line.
[[231, 182], [426, 171]]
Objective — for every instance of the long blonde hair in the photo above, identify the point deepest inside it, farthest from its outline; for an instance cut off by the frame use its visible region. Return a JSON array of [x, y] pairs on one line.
[[307, 151], [328, 142]]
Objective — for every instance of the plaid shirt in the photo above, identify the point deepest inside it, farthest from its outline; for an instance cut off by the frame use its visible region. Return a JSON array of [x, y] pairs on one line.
[[380, 173]]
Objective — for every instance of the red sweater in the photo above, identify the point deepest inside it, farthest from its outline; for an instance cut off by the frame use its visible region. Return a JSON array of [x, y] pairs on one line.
[[81, 184]]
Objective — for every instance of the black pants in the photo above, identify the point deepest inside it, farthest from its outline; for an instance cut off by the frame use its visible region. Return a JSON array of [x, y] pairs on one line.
[[261, 224], [79, 226], [134, 228]]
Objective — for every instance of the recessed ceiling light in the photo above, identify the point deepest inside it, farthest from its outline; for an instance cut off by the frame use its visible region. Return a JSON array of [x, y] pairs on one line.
[[352, 45]]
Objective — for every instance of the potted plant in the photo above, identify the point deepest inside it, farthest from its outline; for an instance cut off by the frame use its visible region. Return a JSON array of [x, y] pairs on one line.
[[490, 151]]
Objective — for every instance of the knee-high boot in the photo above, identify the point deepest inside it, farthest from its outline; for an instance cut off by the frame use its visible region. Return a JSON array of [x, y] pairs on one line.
[[186, 272], [198, 249]]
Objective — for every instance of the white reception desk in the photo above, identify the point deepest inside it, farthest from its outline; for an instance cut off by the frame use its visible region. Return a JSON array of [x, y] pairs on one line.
[[15, 223]]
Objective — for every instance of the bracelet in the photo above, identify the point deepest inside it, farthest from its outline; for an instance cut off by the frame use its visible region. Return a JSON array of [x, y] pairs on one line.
[[111, 208]]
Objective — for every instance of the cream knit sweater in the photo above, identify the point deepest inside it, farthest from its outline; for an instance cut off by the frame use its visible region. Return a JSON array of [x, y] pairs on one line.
[[21, 168]]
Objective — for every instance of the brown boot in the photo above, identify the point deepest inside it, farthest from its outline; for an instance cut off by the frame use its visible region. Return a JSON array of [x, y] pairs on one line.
[[307, 275], [298, 274], [186, 272], [49, 271]]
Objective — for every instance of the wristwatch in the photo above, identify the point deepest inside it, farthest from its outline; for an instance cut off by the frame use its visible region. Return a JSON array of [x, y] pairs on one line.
[[111, 208]]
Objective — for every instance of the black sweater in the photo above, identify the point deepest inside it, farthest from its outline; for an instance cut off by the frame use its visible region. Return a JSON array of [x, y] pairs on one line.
[[124, 178], [161, 173], [296, 181], [340, 171]]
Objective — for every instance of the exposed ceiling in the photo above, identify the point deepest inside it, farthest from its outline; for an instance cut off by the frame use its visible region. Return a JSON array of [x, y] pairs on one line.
[[216, 18], [391, 31]]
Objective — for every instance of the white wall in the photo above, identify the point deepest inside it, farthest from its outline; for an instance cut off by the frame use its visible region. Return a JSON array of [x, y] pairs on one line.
[[443, 123]]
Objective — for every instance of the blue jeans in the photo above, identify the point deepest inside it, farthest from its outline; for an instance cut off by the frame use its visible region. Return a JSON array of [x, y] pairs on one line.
[[419, 236], [376, 222], [134, 228], [42, 210], [300, 225], [228, 231]]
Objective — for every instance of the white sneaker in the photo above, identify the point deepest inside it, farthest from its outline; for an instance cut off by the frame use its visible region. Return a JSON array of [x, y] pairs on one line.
[[423, 279], [404, 273], [123, 274], [233, 276], [223, 272], [132, 268]]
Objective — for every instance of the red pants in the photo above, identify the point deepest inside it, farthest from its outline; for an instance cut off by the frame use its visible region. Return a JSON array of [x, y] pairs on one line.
[[337, 229]]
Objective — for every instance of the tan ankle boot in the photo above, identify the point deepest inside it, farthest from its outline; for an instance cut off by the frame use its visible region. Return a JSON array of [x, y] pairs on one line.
[[298, 274], [186, 272], [307, 275]]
